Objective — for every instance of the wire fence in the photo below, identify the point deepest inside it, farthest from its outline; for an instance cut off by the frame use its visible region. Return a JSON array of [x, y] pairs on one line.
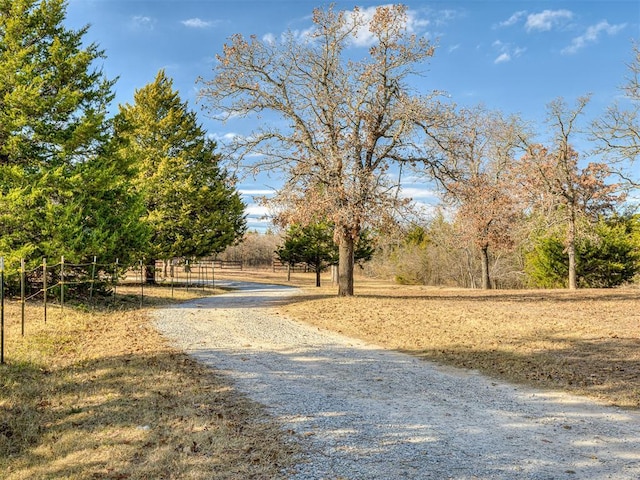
[[59, 281]]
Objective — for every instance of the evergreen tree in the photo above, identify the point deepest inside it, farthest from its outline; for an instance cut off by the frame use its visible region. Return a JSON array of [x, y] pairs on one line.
[[608, 257], [191, 206], [313, 244], [56, 165], [104, 212], [54, 101]]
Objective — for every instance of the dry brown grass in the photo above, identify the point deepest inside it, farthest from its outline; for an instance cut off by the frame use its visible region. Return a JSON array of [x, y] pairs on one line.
[[586, 342], [100, 395]]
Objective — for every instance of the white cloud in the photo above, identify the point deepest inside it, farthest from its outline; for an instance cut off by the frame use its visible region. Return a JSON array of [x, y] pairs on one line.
[[507, 51], [513, 19], [417, 192], [255, 191], [502, 58], [443, 17], [222, 137], [546, 20], [269, 38], [254, 210], [196, 23], [363, 37], [141, 22], [592, 35]]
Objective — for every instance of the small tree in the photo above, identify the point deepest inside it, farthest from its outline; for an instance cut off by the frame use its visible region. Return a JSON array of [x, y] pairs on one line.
[[313, 244], [479, 147], [559, 188]]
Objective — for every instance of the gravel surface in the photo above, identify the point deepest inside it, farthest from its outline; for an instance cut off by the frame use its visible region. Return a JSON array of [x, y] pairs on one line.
[[362, 412]]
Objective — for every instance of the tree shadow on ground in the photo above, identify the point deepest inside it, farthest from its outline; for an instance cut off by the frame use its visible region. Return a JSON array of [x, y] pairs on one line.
[[607, 369], [526, 296], [136, 416], [390, 417]]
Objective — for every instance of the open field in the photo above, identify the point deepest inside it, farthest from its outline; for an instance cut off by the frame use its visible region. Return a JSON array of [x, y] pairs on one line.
[[100, 395]]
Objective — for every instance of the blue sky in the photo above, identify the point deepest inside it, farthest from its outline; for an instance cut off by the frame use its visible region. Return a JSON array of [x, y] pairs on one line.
[[515, 56]]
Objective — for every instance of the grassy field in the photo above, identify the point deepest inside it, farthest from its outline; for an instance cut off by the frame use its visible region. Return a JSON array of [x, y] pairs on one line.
[[98, 394], [585, 342]]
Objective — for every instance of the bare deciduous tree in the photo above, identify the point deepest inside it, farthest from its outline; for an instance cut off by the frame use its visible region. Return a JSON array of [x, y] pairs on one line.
[[559, 186], [342, 122], [480, 148], [617, 132]]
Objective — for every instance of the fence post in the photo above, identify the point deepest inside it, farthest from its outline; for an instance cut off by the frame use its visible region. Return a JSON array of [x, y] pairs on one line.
[[93, 277], [141, 283], [44, 286], [22, 293], [62, 282], [188, 269], [2, 310], [114, 279], [173, 262]]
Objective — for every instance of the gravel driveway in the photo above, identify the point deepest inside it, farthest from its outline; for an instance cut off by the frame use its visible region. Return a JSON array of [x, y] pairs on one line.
[[362, 412]]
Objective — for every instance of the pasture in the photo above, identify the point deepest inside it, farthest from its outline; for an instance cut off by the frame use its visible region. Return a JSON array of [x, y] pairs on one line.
[[97, 393]]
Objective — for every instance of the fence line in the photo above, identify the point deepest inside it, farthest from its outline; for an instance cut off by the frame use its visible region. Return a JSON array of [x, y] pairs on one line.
[[63, 276]]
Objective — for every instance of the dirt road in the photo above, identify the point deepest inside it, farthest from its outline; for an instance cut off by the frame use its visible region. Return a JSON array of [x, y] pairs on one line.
[[362, 412]]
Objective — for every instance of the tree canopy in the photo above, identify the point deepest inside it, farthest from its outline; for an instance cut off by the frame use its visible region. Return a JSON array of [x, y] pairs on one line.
[[190, 204], [346, 120]]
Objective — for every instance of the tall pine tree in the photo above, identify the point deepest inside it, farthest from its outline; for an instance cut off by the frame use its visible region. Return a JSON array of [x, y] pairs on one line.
[[191, 206], [56, 161], [53, 101]]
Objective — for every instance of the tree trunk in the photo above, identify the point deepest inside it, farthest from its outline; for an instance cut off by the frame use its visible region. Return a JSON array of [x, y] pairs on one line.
[[486, 281], [571, 252], [165, 268], [345, 265], [317, 276], [150, 272], [472, 277], [573, 284]]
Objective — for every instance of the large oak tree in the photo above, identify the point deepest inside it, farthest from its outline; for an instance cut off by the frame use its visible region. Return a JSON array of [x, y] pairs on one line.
[[342, 117]]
